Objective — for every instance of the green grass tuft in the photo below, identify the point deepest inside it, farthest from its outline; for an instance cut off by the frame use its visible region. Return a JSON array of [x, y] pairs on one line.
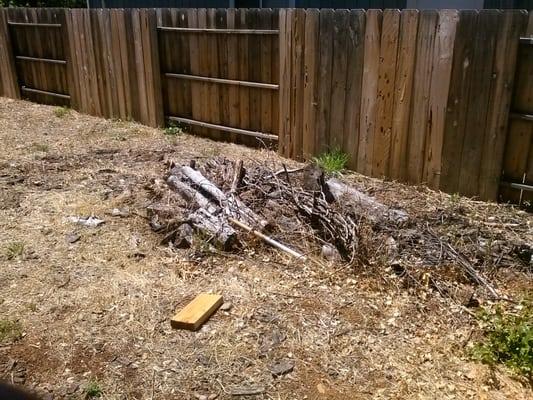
[[14, 250], [93, 389], [10, 331], [508, 339], [60, 112], [173, 129], [333, 161]]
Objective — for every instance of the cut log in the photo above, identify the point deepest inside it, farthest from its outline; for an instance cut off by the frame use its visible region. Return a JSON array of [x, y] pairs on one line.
[[215, 227], [375, 210], [231, 205], [207, 218], [190, 195]]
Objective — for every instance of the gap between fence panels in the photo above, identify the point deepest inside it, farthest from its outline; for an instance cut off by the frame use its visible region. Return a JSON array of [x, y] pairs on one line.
[[245, 132], [261, 85], [39, 91]]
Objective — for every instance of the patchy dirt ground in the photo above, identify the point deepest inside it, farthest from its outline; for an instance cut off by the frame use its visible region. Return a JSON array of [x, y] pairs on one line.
[[97, 310]]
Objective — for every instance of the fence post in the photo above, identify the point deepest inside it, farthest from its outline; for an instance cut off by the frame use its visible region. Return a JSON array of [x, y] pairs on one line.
[[8, 74]]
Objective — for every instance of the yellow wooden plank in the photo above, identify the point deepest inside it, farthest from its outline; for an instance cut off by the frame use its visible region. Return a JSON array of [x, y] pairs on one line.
[[194, 314]]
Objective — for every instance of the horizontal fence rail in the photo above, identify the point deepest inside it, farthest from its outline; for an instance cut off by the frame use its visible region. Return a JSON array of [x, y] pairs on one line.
[[436, 97], [220, 31]]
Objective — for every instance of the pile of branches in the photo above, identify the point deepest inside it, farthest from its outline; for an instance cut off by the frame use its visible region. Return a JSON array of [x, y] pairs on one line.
[[302, 212], [221, 197]]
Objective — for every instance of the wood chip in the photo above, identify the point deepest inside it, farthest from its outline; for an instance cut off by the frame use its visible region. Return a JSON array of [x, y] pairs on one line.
[[282, 367], [247, 391], [196, 312]]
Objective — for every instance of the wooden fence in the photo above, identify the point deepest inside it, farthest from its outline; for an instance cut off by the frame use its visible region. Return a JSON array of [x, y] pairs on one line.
[[415, 96], [412, 96]]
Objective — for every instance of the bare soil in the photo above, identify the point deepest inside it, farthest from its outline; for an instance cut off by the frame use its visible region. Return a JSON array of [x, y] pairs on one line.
[[97, 310]]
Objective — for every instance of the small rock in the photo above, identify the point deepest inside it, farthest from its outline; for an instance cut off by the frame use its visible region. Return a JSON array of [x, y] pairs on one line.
[[226, 306], [72, 237], [330, 253], [73, 388], [120, 212], [90, 222], [212, 396], [282, 367]]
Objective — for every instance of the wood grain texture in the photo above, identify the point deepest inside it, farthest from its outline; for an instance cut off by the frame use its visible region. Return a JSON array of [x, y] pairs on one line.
[[285, 50], [381, 145], [478, 101], [512, 26], [354, 82], [369, 89], [194, 314], [310, 91], [8, 75], [438, 96], [458, 95], [339, 69], [403, 89], [324, 85], [297, 71], [420, 118]]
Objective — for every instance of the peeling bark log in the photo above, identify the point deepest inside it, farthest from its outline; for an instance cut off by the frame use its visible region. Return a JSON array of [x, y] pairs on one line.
[[375, 210]]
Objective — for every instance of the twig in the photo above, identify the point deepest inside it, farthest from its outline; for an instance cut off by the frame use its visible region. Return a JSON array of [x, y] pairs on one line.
[[267, 239]]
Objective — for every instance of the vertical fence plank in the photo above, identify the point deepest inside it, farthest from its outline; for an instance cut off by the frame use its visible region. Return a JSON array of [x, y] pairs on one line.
[[324, 86], [194, 55], [265, 22], [275, 72], [118, 64], [403, 89], [419, 123], [298, 47], [244, 71], [385, 95], [354, 81], [438, 97], [457, 107], [254, 74], [285, 50], [484, 42], [339, 70], [223, 69], [213, 70], [512, 26], [310, 82], [233, 73], [8, 74], [369, 91]]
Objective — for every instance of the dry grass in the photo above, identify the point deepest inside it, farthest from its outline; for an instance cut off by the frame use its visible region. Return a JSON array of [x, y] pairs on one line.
[[98, 310]]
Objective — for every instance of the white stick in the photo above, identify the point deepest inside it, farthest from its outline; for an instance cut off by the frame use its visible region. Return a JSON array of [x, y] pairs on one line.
[[267, 239]]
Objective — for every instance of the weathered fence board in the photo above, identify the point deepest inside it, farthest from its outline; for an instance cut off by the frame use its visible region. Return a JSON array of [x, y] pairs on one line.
[[8, 74], [354, 82], [369, 91], [403, 89]]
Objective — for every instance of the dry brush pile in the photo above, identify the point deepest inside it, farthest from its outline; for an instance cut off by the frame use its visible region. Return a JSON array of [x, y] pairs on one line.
[[308, 215]]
